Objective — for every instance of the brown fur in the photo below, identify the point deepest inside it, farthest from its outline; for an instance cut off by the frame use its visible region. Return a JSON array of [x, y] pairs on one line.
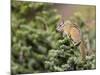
[[74, 33]]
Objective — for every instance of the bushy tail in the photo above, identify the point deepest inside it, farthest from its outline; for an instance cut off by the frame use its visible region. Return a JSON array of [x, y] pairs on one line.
[[82, 50]]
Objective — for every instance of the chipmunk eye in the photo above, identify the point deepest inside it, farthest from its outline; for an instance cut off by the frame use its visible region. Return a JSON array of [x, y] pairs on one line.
[[60, 25]]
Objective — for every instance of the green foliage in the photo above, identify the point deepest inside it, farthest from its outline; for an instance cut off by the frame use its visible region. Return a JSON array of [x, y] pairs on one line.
[[35, 44], [33, 29], [66, 57]]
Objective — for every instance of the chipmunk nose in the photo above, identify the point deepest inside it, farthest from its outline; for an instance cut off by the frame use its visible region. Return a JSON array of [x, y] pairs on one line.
[[56, 29]]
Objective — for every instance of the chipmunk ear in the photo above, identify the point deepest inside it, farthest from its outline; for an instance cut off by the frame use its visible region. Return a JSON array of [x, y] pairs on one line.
[[62, 22]]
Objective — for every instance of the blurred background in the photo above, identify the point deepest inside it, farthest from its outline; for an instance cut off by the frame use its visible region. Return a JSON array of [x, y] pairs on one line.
[[33, 32]]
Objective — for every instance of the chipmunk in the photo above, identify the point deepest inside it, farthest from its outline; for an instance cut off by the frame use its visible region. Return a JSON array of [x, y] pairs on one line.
[[73, 32]]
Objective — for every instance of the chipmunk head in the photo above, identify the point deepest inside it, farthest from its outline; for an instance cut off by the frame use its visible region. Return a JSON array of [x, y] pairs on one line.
[[60, 26]]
